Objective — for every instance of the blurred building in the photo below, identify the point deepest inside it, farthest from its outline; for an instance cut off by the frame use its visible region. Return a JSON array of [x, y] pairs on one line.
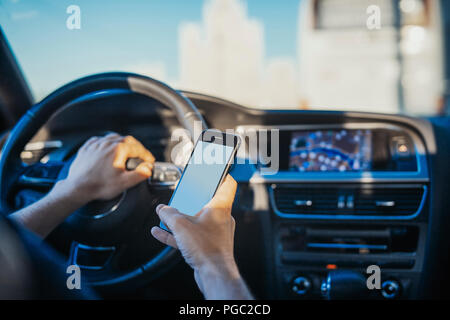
[[224, 56], [341, 62], [346, 65]]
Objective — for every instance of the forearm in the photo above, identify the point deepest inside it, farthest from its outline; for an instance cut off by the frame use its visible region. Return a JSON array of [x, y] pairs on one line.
[[223, 282], [46, 214]]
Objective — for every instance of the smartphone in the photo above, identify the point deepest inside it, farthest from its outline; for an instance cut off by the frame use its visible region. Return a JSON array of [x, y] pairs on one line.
[[207, 167]]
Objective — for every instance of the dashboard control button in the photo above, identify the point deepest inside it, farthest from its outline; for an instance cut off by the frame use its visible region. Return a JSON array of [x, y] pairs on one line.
[[301, 285], [390, 289], [400, 147]]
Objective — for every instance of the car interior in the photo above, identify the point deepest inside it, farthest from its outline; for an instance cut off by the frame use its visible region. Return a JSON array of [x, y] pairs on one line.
[[352, 187]]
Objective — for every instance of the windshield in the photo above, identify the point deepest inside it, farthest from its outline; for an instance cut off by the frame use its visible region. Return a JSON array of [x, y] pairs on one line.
[[303, 54]]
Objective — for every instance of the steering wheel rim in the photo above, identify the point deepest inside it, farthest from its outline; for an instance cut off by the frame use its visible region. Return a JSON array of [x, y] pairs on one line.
[[11, 164]]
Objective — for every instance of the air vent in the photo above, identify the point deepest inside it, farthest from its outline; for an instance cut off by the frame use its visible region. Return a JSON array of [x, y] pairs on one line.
[[348, 239], [374, 201]]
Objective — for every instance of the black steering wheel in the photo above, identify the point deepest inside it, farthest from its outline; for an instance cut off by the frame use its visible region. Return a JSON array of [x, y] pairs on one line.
[[98, 231]]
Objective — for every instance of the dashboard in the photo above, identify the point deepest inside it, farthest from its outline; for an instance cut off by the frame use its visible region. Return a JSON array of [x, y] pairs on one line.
[[350, 189]]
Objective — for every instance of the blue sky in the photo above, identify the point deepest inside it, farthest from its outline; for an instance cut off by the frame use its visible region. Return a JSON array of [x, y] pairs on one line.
[[115, 33]]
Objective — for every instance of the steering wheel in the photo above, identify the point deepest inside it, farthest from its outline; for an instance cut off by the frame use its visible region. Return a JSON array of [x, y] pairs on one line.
[[99, 231]]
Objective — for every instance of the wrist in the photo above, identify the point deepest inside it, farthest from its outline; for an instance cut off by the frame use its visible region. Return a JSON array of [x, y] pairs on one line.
[[220, 281], [72, 192], [225, 268]]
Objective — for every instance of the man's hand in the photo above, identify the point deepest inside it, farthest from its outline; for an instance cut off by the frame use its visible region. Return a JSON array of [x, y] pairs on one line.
[[99, 169], [97, 173], [206, 242]]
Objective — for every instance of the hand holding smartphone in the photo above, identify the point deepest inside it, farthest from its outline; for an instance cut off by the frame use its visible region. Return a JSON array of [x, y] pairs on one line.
[[207, 167]]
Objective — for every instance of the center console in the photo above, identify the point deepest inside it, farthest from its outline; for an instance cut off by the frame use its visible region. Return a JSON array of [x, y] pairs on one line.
[[346, 197]]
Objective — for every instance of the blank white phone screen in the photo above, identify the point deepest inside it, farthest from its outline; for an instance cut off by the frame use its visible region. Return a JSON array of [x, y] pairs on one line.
[[201, 177]]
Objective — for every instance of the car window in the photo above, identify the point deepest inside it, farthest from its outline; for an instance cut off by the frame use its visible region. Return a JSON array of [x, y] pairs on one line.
[[364, 55]]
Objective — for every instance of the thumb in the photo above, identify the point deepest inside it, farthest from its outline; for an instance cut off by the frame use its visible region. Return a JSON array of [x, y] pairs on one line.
[[225, 194]]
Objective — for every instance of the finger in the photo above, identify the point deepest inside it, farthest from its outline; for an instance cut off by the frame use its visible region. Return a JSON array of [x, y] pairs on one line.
[[225, 194], [113, 136], [110, 140], [139, 149], [133, 177], [123, 152], [127, 150], [193, 218], [171, 217], [144, 169], [164, 237], [89, 142]]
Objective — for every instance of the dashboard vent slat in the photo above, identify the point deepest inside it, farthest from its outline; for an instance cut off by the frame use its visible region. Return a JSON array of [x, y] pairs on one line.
[[355, 201]]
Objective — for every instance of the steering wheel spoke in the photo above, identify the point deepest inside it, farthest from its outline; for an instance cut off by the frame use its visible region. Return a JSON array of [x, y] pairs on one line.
[[40, 175], [101, 265], [92, 258]]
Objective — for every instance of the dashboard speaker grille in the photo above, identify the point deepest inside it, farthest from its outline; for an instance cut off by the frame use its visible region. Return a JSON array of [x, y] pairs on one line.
[[358, 201]]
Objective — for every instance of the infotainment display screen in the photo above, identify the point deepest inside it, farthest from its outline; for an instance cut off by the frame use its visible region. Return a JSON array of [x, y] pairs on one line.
[[330, 150]]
